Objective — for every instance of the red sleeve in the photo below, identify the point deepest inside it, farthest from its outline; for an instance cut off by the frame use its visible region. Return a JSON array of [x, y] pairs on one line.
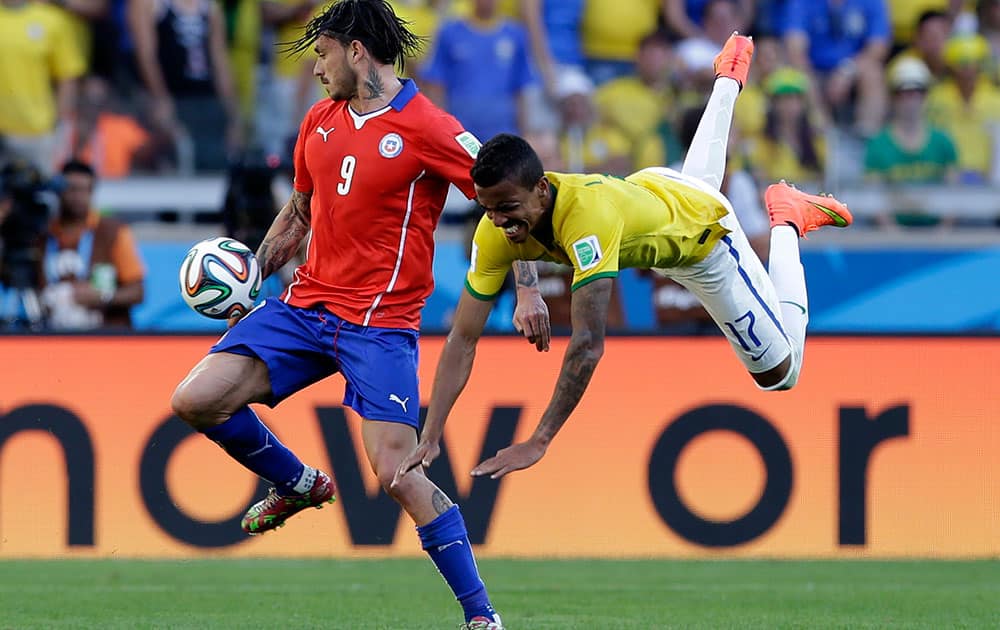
[[303, 182], [449, 152]]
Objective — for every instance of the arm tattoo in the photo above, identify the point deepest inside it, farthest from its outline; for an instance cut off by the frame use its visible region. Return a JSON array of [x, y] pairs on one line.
[[285, 234], [440, 501], [526, 273], [374, 84], [590, 315]]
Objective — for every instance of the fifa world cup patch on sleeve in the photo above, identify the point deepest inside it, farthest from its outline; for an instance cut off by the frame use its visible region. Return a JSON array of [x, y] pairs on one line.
[[472, 258], [588, 252], [468, 142]]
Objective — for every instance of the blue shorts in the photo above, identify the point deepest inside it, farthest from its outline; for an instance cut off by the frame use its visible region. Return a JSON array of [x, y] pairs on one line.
[[302, 345]]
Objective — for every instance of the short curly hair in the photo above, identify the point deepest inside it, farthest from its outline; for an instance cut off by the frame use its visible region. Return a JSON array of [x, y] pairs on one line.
[[507, 157]]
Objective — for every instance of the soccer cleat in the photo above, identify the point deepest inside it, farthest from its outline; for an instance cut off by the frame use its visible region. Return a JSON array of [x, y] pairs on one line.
[[483, 623], [274, 509], [734, 60], [788, 205]]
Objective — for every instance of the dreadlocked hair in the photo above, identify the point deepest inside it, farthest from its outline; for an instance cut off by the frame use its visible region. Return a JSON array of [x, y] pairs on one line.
[[371, 22]]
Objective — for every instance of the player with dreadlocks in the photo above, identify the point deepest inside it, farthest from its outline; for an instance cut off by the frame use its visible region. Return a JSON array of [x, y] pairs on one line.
[[373, 165]]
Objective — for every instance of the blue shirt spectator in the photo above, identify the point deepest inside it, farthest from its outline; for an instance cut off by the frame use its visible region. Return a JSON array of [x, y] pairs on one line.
[[480, 69], [837, 30]]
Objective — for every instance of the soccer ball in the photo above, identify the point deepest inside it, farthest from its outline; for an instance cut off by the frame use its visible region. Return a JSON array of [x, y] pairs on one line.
[[220, 278]]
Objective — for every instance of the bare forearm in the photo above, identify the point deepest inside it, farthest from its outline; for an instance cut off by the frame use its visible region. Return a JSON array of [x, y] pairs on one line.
[[453, 370], [286, 233], [126, 295], [578, 367], [66, 99], [525, 274]]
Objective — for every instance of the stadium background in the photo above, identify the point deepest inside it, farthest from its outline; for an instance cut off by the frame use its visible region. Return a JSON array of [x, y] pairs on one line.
[[887, 449]]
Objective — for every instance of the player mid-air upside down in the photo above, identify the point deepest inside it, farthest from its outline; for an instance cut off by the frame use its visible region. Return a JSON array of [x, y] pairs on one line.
[[677, 224], [372, 169]]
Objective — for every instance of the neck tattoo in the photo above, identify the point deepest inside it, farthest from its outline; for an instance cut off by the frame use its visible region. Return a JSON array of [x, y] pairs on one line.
[[374, 84]]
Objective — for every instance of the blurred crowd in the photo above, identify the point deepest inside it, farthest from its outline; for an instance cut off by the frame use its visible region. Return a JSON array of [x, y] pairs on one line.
[[886, 92], [168, 86]]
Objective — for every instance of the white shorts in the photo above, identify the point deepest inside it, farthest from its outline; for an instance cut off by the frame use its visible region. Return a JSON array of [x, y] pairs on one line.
[[733, 286]]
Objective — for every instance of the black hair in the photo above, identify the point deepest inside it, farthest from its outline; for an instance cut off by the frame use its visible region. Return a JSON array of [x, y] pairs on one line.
[[658, 37], [371, 22], [507, 157], [79, 167], [927, 16], [809, 156]]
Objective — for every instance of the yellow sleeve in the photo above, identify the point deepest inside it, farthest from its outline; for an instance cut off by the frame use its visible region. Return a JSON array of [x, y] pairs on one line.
[[491, 258], [591, 233], [66, 56]]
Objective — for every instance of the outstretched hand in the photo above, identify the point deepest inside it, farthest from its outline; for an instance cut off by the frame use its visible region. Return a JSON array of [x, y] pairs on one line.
[[514, 457], [422, 455], [531, 319]]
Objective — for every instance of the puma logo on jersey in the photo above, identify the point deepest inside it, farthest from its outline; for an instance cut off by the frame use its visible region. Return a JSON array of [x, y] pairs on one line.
[[324, 132], [402, 401]]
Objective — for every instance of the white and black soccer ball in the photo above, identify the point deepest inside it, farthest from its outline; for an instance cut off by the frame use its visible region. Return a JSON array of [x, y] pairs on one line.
[[220, 277]]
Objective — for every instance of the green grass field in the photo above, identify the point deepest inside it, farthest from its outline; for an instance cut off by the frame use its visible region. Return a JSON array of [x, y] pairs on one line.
[[586, 594]]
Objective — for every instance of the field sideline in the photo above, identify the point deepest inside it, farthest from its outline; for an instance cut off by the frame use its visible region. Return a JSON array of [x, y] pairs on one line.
[[585, 594]]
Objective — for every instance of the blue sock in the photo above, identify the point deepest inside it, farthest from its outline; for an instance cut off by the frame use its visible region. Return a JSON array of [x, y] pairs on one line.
[[252, 444], [447, 543]]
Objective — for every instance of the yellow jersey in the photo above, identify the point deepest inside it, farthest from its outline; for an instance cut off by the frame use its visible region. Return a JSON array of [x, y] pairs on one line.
[[598, 144], [37, 47], [632, 106], [601, 224], [970, 124], [611, 29], [773, 160]]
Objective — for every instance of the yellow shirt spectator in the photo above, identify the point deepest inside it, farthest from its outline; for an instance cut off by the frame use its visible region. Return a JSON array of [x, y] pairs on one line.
[[612, 29], [595, 148], [37, 48], [789, 146], [773, 161], [968, 123], [632, 106]]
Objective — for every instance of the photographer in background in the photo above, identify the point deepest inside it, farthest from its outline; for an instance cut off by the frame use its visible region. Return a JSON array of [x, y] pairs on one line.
[[24, 214], [92, 270]]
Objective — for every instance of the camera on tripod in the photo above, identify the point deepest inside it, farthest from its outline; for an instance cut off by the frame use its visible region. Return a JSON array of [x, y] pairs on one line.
[[31, 198]]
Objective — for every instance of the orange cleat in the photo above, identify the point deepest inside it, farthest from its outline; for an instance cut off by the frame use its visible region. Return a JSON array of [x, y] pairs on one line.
[[734, 60], [788, 205]]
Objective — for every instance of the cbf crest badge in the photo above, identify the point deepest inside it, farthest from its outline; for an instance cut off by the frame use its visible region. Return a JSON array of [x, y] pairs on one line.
[[390, 145]]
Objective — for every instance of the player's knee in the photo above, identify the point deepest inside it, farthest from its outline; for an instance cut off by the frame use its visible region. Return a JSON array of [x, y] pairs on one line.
[[402, 490], [195, 405], [782, 377]]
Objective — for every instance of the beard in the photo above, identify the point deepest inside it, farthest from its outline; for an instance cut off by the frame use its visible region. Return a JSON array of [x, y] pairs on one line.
[[345, 87]]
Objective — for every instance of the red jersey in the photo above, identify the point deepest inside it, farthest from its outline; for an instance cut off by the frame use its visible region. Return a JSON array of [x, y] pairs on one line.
[[378, 183]]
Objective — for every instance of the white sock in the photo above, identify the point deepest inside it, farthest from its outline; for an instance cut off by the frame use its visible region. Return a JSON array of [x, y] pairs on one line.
[[706, 157], [306, 481], [789, 278]]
